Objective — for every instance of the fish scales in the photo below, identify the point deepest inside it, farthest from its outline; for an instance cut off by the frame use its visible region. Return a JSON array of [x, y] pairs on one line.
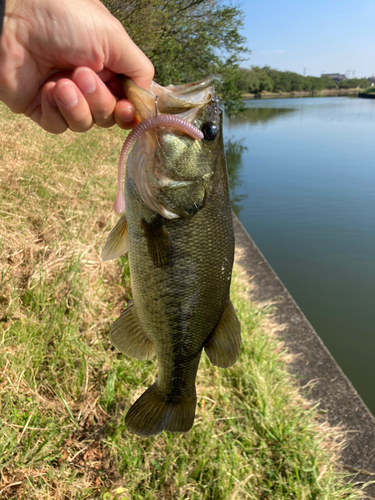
[[186, 300], [180, 271]]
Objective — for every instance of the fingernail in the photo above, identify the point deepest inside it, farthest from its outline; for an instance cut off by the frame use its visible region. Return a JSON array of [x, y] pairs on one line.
[[67, 95], [85, 81]]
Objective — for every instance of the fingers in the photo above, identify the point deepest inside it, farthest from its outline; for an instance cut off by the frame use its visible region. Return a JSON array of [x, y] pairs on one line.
[[60, 105], [46, 113], [125, 115], [99, 99], [73, 106], [51, 119], [78, 101]]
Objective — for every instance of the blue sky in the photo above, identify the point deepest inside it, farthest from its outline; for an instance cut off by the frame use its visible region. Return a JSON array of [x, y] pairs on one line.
[[329, 36]]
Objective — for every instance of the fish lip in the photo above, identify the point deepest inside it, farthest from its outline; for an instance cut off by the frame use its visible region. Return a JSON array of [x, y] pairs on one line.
[[185, 88], [187, 102], [194, 86], [184, 100]]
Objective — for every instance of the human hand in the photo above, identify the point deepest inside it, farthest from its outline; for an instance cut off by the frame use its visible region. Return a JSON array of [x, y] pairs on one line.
[[59, 60]]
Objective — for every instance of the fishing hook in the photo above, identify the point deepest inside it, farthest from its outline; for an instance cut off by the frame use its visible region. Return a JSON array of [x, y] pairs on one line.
[[156, 105]]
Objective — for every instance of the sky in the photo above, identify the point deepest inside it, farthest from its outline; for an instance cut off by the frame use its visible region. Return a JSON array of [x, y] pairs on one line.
[[311, 37]]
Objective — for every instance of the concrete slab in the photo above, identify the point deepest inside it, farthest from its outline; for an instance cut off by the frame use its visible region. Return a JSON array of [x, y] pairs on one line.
[[313, 364]]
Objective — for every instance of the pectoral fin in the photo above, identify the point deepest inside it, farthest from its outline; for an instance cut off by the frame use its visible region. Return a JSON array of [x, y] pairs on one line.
[[128, 336], [223, 346], [159, 243], [117, 241]]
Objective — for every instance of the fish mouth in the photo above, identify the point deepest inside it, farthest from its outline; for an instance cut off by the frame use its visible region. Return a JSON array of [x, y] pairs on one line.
[[185, 100], [171, 114], [187, 88]]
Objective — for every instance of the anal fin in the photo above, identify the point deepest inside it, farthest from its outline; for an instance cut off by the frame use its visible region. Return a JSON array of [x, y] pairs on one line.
[[223, 346], [117, 241], [128, 336]]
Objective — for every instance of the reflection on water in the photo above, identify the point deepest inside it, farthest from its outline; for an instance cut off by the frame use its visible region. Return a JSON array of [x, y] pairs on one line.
[[259, 115], [233, 151], [234, 148], [302, 180]]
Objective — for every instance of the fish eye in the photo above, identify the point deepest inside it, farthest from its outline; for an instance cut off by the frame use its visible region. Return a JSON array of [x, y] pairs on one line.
[[210, 130]]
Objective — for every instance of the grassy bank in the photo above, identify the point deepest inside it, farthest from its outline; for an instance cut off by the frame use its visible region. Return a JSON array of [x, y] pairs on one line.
[[64, 390], [369, 92]]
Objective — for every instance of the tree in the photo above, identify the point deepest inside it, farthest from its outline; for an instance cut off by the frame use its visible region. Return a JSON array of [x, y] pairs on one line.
[[256, 80], [353, 83], [187, 40]]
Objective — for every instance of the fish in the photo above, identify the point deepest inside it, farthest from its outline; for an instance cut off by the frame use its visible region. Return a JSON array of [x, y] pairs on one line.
[[177, 228]]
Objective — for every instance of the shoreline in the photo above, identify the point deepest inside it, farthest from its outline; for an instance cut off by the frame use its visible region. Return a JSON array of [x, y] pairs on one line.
[[284, 95], [319, 377], [367, 96]]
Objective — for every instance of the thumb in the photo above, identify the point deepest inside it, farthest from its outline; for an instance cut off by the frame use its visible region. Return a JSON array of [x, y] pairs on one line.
[[126, 58]]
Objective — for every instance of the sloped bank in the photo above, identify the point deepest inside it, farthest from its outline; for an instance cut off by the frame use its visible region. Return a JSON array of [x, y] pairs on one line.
[[319, 376]]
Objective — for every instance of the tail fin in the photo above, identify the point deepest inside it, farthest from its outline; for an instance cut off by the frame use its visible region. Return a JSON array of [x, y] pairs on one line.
[[152, 413]]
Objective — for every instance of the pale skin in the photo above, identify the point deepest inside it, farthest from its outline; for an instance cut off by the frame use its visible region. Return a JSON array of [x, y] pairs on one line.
[[58, 64]]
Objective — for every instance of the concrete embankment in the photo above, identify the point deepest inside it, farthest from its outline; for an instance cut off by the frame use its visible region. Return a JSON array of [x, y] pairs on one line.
[[317, 373], [367, 96], [321, 93]]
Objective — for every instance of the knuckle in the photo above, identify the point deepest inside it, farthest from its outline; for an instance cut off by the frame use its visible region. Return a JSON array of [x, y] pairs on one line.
[[82, 129], [57, 127], [104, 122], [79, 122], [150, 69]]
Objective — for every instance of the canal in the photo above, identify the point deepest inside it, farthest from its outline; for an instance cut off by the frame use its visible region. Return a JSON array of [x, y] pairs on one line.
[[302, 175]]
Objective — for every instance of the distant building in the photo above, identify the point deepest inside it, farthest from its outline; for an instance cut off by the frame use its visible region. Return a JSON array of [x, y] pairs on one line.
[[372, 80], [336, 77]]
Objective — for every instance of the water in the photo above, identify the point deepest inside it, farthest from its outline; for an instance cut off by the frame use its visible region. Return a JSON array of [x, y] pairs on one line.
[[302, 175]]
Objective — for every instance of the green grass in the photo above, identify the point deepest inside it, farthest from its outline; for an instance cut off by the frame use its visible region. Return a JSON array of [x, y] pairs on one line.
[[64, 390], [369, 90]]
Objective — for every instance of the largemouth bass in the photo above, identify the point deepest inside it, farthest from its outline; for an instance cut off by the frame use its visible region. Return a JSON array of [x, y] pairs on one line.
[[178, 231]]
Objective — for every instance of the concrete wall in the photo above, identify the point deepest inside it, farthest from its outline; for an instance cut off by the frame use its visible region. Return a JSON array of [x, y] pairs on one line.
[[313, 364]]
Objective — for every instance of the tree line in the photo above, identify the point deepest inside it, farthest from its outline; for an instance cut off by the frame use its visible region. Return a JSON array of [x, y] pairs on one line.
[[257, 80], [187, 40]]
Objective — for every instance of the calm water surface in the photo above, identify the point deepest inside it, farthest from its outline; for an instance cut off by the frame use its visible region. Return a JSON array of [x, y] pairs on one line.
[[302, 177]]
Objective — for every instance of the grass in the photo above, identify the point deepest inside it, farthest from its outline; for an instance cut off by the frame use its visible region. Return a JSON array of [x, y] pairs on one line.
[[369, 90], [64, 390]]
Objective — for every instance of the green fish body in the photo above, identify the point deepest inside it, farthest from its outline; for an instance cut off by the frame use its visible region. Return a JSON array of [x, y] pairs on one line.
[[178, 227]]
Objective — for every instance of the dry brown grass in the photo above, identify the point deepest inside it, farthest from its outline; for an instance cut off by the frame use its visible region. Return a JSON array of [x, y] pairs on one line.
[[46, 218], [55, 212]]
